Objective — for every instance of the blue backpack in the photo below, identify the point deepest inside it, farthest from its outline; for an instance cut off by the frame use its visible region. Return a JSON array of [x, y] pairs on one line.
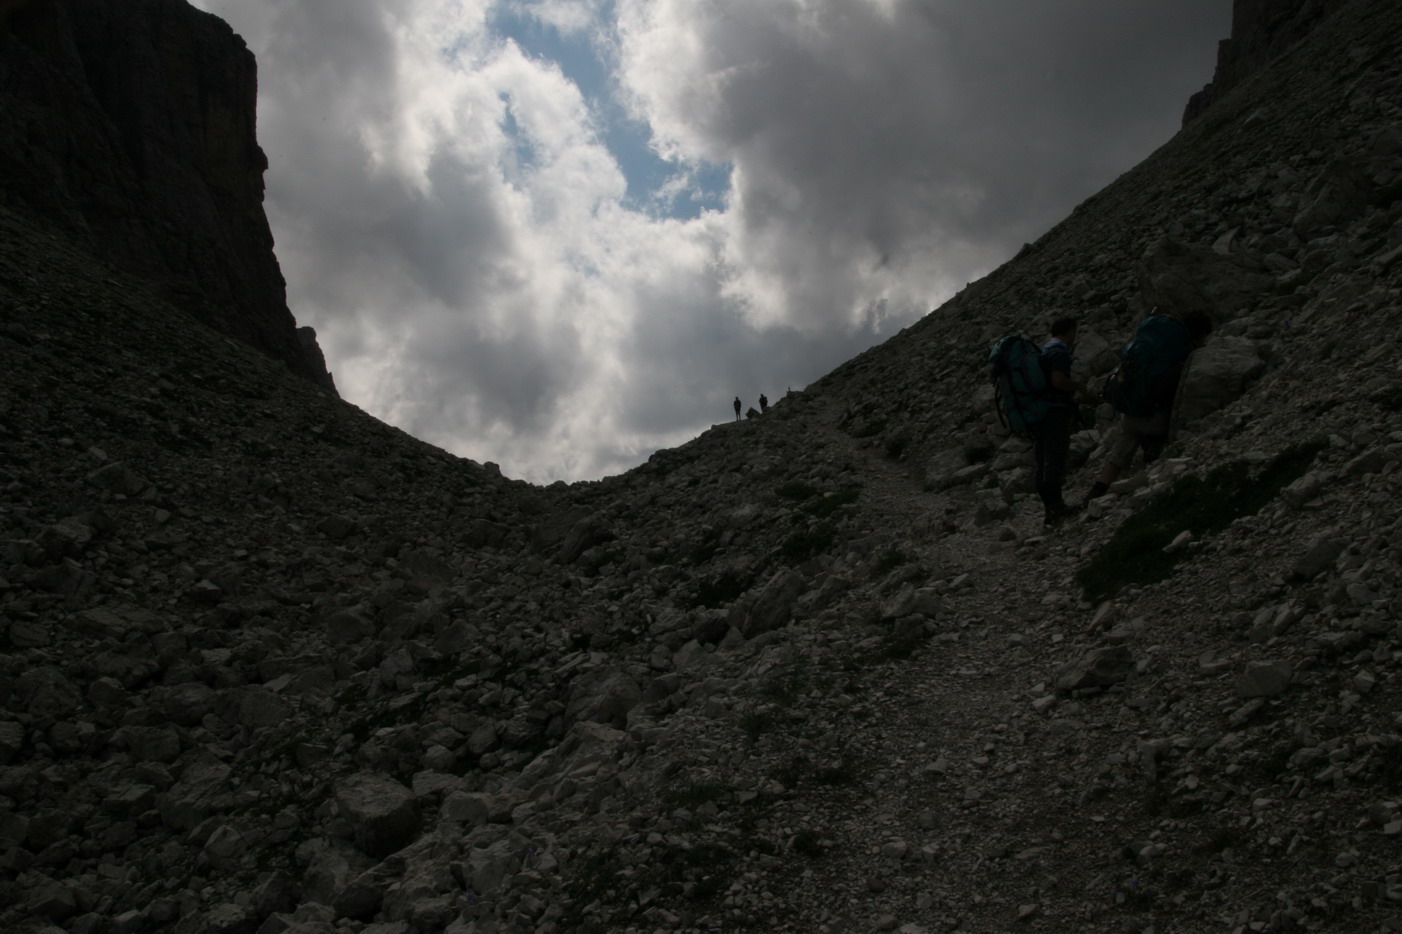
[[1147, 378], [1015, 367]]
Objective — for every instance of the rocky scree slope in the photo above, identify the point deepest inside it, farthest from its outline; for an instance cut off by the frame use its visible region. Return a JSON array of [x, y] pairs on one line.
[[272, 666]]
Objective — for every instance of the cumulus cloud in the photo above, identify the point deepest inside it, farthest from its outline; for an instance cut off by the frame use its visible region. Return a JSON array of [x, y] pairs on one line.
[[885, 150], [453, 214]]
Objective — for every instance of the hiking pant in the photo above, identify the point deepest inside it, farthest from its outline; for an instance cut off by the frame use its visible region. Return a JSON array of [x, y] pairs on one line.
[[1051, 445], [1149, 433]]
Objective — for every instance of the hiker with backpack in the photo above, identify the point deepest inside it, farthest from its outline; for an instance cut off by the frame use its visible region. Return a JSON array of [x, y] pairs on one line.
[[1143, 389], [1036, 398], [1051, 437]]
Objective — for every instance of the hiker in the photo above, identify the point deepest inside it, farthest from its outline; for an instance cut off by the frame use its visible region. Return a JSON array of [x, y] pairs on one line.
[[737, 408], [763, 403], [1145, 387], [1051, 437]]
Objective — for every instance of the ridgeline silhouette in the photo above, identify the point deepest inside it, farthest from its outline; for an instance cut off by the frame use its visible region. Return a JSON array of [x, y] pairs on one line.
[[269, 665]]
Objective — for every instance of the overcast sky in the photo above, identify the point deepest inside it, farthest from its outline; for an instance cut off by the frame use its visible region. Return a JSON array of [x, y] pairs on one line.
[[561, 234]]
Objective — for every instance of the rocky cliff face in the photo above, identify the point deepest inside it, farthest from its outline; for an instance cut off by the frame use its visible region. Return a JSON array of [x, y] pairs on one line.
[[268, 665], [131, 125], [1261, 31]]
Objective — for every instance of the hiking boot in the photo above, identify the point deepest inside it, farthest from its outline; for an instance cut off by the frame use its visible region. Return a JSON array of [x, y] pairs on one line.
[[1060, 513]]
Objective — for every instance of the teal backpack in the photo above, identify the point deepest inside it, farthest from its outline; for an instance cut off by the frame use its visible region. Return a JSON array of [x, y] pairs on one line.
[[1145, 381], [1015, 367]]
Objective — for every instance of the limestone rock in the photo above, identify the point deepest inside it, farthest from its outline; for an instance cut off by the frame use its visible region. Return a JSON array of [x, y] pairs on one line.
[[603, 697], [773, 605], [383, 814], [1098, 668], [1320, 555], [1216, 375], [1264, 679]]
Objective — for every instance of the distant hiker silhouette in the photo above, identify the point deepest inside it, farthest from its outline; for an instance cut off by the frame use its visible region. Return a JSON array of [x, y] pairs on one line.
[[763, 403], [737, 408]]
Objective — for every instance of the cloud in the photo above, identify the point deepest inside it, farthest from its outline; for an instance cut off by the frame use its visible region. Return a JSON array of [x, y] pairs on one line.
[[889, 149], [456, 212], [566, 16]]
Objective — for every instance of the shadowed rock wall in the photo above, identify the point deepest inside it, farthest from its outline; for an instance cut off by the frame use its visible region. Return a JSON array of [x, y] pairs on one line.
[[132, 125], [1261, 30]]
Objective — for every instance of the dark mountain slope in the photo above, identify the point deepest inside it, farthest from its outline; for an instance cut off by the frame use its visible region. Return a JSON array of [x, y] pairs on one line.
[[130, 125], [268, 665]]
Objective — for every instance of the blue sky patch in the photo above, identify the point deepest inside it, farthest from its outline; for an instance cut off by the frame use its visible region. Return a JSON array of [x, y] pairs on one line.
[[626, 138]]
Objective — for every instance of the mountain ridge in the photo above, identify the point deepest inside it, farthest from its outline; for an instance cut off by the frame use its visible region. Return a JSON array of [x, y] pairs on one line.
[[270, 665], [131, 126]]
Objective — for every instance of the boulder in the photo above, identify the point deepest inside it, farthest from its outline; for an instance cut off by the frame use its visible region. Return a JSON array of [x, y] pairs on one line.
[[603, 696], [347, 626], [427, 566], [260, 708], [942, 470], [1177, 278], [1216, 375], [334, 866], [912, 602], [117, 478], [1098, 668], [200, 791], [1264, 679], [991, 506], [773, 605], [470, 808], [44, 692], [1337, 194], [187, 704], [383, 814], [1321, 555], [1095, 355]]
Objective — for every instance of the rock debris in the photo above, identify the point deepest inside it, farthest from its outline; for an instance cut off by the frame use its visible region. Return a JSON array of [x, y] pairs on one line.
[[268, 665]]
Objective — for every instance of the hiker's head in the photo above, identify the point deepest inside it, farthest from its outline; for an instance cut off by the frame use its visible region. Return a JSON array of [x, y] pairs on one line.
[[1199, 327], [1064, 329]]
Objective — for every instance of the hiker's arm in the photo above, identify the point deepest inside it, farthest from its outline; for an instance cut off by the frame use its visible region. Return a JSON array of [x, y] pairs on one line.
[[1063, 383]]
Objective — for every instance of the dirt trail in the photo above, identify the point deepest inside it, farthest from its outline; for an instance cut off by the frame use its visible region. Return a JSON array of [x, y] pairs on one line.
[[947, 748]]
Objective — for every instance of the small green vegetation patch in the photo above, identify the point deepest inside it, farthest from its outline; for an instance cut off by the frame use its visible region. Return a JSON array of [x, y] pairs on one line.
[[1135, 553]]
